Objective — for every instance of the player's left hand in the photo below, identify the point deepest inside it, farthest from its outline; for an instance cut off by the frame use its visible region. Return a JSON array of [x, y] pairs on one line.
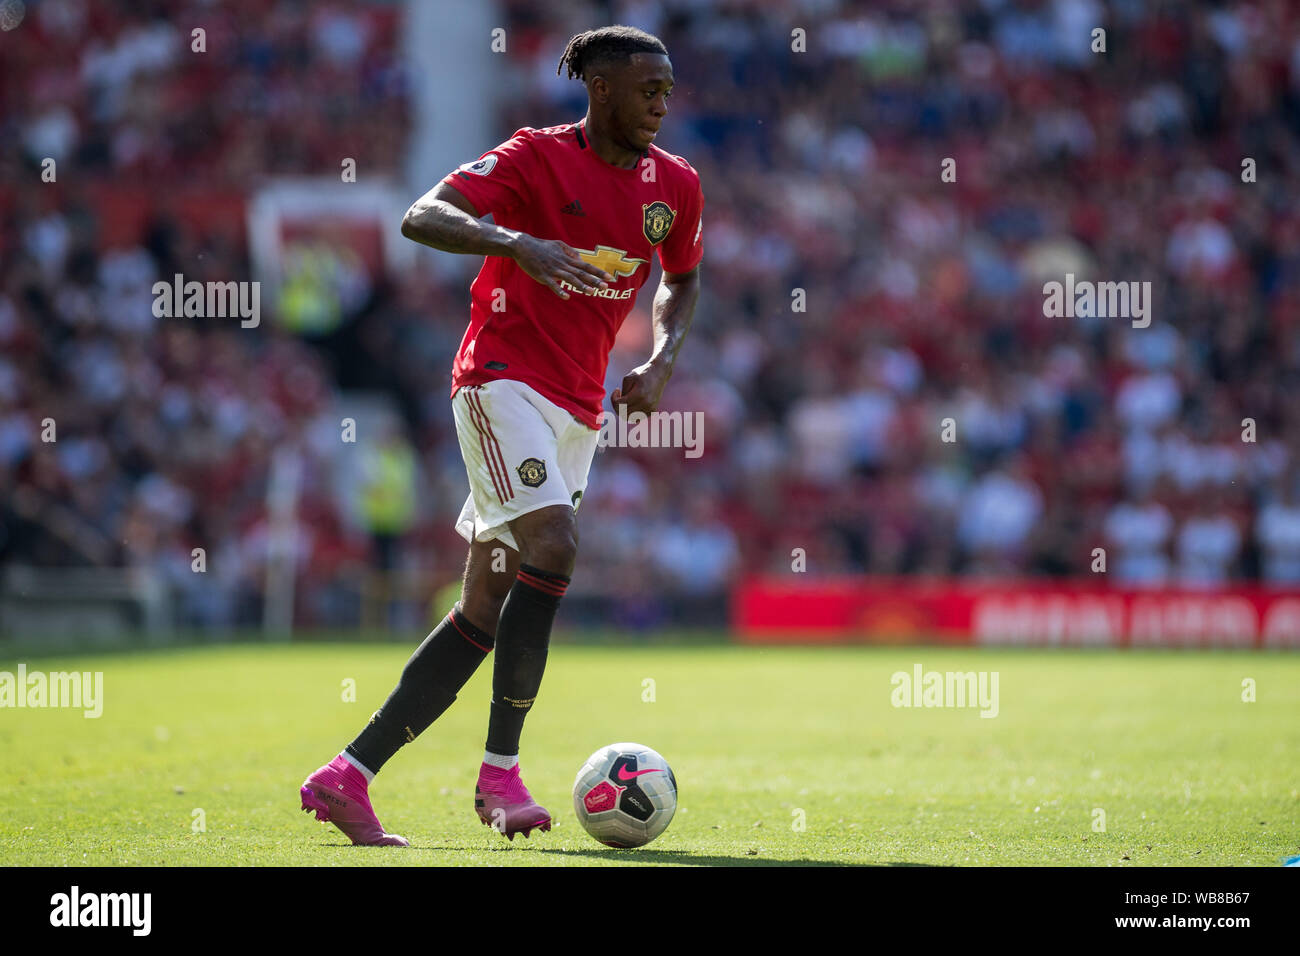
[[642, 388]]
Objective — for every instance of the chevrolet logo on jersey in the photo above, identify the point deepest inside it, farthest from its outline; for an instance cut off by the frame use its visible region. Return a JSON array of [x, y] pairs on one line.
[[614, 261]]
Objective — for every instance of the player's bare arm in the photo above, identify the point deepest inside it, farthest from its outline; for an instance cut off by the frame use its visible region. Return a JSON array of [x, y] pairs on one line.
[[674, 309], [445, 220]]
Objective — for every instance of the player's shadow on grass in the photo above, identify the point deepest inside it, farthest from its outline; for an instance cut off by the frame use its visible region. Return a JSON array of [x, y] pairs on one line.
[[684, 857], [694, 859]]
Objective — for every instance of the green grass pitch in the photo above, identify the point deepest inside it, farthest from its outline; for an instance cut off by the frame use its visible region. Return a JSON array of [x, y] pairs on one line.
[[760, 740]]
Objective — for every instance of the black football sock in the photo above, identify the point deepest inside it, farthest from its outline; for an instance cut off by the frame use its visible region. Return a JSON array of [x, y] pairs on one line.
[[523, 635], [429, 683]]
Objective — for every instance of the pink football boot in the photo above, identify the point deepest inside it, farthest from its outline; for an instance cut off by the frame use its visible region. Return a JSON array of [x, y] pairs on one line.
[[504, 803], [338, 794]]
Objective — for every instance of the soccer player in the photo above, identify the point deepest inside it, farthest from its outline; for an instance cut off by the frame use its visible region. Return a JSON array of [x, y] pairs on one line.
[[578, 210]]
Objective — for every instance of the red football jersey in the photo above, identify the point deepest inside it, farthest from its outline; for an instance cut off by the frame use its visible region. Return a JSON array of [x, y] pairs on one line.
[[550, 184]]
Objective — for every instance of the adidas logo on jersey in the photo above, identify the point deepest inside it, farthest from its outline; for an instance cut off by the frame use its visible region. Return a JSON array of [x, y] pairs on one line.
[[574, 209]]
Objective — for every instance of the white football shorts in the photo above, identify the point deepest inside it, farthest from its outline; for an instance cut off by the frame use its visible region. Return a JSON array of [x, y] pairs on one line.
[[522, 452]]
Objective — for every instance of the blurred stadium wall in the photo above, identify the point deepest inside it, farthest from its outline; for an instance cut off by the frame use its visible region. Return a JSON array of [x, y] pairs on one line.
[[899, 442], [455, 85]]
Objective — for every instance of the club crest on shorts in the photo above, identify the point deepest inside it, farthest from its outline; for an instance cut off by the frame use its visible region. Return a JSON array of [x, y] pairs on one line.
[[532, 472], [657, 220]]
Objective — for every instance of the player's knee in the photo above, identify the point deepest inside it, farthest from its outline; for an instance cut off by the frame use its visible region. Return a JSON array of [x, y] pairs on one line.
[[476, 602], [556, 554], [548, 539], [482, 609], [554, 548], [476, 611]]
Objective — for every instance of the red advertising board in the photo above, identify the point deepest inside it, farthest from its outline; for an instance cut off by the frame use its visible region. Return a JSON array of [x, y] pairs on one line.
[[1026, 613]]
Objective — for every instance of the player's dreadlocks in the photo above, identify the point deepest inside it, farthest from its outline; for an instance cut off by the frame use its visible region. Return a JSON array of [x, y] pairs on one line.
[[606, 45]]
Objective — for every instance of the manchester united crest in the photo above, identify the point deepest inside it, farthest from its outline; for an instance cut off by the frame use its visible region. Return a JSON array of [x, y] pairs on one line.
[[658, 219], [532, 472]]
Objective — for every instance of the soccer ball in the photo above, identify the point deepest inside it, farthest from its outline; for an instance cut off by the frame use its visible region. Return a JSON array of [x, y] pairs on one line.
[[625, 795]]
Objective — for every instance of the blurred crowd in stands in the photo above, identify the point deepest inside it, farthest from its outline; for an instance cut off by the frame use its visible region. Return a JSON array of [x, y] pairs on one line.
[[858, 306]]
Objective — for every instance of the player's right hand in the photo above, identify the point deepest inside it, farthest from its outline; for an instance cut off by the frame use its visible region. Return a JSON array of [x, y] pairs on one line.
[[551, 261]]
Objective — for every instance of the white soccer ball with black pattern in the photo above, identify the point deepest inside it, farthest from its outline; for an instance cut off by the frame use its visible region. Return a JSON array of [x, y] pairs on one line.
[[625, 795]]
